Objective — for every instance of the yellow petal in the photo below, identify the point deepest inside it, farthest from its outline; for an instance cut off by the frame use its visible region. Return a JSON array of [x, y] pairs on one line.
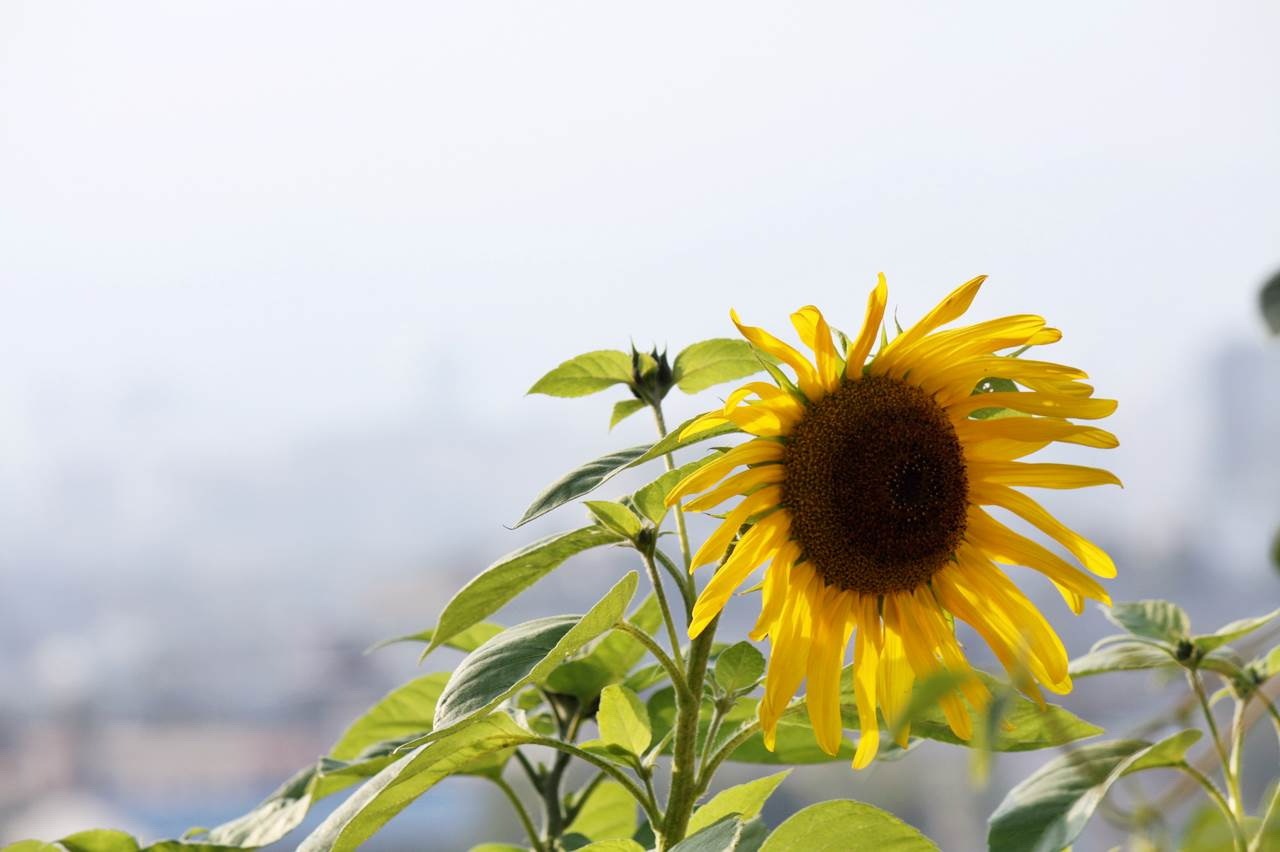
[[739, 484], [774, 593], [1033, 403], [1041, 474], [806, 375], [860, 348], [816, 334], [1037, 430], [705, 422], [952, 307], [788, 651], [752, 452], [755, 546], [717, 543], [1090, 555], [826, 659], [997, 540], [866, 674], [896, 677]]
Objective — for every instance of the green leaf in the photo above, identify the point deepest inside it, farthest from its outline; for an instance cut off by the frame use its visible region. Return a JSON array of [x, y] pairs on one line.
[[1153, 619], [744, 801], [276, 816], [610, 660], [651, 499], [586, 374], [511, 575], [497, 847], [829, 827], [615, 517], [623, 720], [31, 846], [467, 640], [739, 667], [395, 787], [722, 836], [673, 441], [643, 678], [1233, 631], [995, 384], [608, 814], [1269, 665], [1048, 810], [1209, 831], [627, 845], [404, 712], [580, 481], [624, 409], [712, 362], [99, 840], [524, 654], [1122, 656]]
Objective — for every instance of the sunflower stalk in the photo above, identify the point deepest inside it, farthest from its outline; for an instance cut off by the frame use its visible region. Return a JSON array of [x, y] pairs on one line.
[[684, 781]]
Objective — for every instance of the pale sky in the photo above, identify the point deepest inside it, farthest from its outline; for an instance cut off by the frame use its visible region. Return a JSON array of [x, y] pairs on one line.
[[230, 231]]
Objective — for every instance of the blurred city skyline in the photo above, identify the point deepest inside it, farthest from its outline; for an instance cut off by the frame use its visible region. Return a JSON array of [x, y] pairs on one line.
[[274, 280]]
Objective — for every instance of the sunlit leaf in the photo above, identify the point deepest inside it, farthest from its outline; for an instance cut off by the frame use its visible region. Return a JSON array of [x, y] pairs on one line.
[[524, 654], [509, 576], [1125, 655], [624, 409], [623, 719], [99, 840], [650, 500], [1048, 810], [721, 836], [581, 481], [711, 362], [586, 374], [609, 813], [831, 826], [404, 712], [610, 660], [615, 517], [743, 800], [467, 640], [1154, 619], [1233, 631], [739, 667]]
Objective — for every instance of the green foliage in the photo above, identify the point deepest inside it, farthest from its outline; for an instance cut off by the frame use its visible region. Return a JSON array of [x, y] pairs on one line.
[[467, 640], [650, 500], [610, 660], [510, 576], [624, 409], [615, 517], [712, 362], [609, 813], [993, 384], [1153, 619], [1234, 630], [99, 840], [402, 713], [585, 374], [581, 481], [1123, 655], [623, 720], [1048, 810], [729, 834], [739, 667], [524, 654], [396, 786], [831, 826], [743, 801]]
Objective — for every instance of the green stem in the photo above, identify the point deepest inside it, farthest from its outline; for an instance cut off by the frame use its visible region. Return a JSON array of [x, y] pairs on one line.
[[650, 807], [1197, 686], [580, 799], [717, 719], [1273, 807], [681, 530], [682, 583], [1237, 833], [553, 810], [674, 670], [661, 595], [521, 812], [684, 755], [746, 732], [1238, 730]]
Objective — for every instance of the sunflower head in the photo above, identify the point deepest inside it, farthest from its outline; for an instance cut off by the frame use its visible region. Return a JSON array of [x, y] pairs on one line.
[[862, 490]]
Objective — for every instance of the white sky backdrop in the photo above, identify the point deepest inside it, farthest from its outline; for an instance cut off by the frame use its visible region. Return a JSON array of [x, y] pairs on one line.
[[229, 230]]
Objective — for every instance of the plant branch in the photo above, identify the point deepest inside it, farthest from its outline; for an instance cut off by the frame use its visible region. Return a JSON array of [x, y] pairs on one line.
[[1197, 686], [682, 582], [520, 810], [673, 669], [681, 531], [660, 593], [650, 807], [1237, 833], [683, 793], [744, 733]]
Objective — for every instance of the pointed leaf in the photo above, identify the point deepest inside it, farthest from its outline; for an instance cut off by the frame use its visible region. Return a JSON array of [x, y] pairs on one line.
[[615, 517], [510, 576], [623, 720], [721, 836], [1153, 619], [396, 786], [580, 481], [744, 801], [624, 409], [739, 667], [1048, 810], [608, 814], [524, 654], [467, 640], [1233, 631], [711, 362], [404, 712], [674, 442], [610, 660], [650, 500], [1126, 655], [830, 826], [586, 374], [100, 840]]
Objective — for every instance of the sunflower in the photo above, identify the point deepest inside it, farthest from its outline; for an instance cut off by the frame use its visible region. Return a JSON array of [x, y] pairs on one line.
[[864, 489]]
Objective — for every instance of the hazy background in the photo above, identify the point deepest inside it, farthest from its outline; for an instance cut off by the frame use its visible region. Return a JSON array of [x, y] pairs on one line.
[[274, 278]]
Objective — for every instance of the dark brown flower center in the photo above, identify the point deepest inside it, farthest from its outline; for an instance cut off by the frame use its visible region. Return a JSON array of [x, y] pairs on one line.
[[876, 486]]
